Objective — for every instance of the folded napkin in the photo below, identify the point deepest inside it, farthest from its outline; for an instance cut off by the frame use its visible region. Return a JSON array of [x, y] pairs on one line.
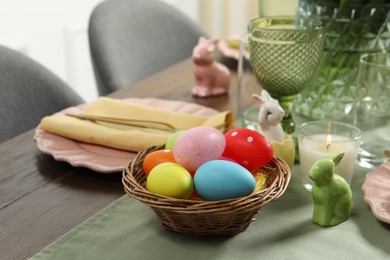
[[129, 137]]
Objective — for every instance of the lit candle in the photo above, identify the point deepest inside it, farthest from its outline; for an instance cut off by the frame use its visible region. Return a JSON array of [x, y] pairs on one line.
[[314, 145]]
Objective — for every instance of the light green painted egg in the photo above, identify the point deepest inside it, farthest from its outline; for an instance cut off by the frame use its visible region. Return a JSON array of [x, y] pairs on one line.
[[172, 139]]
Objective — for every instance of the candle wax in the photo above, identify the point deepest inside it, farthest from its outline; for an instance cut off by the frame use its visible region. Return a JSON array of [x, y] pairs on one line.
[[318, 146]]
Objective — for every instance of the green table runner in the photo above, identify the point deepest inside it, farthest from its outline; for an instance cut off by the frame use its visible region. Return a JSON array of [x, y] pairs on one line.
[[127, 229]]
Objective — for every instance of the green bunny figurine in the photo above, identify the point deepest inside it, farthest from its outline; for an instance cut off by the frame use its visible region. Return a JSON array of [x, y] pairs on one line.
[[331, 193]]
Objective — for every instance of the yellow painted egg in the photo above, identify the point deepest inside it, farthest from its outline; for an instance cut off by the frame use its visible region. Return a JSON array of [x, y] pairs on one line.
[[171, 180]]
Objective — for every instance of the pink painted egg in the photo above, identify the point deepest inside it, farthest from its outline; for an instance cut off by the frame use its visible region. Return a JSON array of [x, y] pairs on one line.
[[198, 145]]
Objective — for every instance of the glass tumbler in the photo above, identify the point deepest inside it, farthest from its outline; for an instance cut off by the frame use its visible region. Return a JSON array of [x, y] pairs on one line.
[[247, 85], [372, 114]]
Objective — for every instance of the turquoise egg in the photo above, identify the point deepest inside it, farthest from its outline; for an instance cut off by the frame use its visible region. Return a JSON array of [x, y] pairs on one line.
[[221, 179]]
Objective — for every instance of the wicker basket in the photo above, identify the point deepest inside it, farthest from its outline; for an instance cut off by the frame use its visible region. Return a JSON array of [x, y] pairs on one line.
[[205, 218]]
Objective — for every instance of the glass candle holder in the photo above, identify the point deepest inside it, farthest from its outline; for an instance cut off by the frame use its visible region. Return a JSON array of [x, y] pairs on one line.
[[317, 139]]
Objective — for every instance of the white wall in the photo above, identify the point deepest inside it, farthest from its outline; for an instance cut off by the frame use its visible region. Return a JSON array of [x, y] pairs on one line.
[[277, 7], [54, 32], [223, 18]]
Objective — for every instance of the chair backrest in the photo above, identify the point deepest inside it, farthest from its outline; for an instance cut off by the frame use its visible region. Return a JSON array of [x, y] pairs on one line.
[[28, 91], [131, 39]]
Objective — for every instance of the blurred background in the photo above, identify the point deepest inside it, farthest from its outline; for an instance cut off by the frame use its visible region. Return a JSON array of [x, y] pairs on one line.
[[55, 32]]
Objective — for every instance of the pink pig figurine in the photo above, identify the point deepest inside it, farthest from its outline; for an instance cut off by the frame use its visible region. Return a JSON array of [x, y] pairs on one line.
[[211, 78]]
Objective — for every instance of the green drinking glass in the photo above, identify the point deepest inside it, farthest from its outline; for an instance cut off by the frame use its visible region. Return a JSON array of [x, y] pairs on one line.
[[284, 56]]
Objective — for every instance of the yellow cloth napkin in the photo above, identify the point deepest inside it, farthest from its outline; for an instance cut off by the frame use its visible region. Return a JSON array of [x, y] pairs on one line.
[[124, 137]]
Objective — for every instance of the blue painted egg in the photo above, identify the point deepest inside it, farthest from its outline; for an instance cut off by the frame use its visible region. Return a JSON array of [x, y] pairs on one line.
[[221, 179]]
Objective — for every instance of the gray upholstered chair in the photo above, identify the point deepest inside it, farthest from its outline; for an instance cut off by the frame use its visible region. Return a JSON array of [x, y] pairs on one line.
[[131, 39], [28, 91]]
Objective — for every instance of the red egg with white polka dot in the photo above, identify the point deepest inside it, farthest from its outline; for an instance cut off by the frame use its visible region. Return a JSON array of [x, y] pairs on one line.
[[249, 148]]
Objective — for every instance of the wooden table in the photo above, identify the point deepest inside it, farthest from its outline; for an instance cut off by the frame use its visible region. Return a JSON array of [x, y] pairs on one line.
[[41, 198]]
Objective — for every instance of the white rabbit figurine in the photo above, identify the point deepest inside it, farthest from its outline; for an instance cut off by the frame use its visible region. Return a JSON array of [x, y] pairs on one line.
[[270, 115]]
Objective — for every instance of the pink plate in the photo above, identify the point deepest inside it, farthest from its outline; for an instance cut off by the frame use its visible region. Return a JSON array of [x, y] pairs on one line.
[[376, 188], [103, 159], [229, 51]]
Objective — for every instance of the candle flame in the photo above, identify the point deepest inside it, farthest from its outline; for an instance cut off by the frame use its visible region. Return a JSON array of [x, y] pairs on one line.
[[328, 141]]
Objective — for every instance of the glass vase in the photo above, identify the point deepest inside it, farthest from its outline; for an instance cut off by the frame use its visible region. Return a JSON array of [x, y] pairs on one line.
[[350, 30]]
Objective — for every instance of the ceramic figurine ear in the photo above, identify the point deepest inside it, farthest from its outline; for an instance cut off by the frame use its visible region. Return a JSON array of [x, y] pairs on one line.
[[211, 48], [258, 100], [202, 40], [265, 95], [336, 158], [214, 41]]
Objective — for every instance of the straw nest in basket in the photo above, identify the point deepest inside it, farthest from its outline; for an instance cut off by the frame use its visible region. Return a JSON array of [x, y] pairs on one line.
[[206, 218]]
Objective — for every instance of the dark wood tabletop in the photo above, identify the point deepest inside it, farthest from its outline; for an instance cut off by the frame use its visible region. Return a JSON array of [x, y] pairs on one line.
[[41, 198]]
